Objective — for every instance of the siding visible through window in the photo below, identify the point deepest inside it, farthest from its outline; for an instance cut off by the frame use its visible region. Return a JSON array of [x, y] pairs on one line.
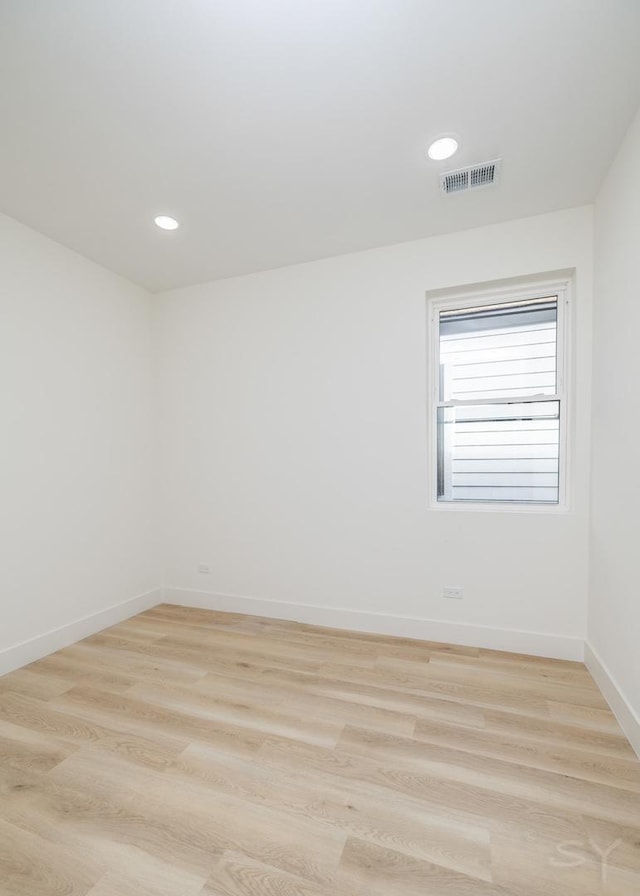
[[498, 415]]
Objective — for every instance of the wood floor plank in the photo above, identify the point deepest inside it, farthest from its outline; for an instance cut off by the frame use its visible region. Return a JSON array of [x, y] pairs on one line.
[[23, 749], [139, 879], [525, 667], [498, 795], [66, 671], [156, 750], [199, 824], [237, 875], [585, 718], [549, 731], [401, 824], [498, 778], [257, 711], [31, 865], [30, 682], [574, 868], [199, 753], [138, 660], [525, 687], [366, 868], [591, 765], [302, 698]]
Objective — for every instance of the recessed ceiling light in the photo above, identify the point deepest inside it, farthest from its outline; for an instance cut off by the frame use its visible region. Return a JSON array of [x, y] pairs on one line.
[[165, 222], [442, 148]]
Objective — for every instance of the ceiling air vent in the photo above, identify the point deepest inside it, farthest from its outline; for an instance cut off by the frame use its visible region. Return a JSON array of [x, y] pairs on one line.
[[470, 178]]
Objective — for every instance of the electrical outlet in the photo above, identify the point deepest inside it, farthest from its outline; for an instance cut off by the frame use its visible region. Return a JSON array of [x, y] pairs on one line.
[[453, 593], [203, 568]]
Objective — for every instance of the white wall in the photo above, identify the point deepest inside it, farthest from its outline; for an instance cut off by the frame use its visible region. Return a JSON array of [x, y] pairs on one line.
[[614, 610], [294, 448], [293, 440], [77, 500]]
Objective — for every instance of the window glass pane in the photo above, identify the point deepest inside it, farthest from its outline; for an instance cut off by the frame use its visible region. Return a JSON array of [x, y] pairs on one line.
[[499, 351], [504, 452]]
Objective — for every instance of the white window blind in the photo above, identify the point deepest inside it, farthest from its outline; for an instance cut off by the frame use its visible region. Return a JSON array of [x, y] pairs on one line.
[[499, 402]]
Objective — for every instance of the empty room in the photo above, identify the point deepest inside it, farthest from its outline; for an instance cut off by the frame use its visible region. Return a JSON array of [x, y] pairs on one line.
[[318, 448]]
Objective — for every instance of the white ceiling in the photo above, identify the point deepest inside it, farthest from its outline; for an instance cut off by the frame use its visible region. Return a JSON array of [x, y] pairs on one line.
[[281, 131]]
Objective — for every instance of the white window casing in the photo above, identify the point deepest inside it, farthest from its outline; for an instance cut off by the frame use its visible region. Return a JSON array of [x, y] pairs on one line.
[[498, 383]]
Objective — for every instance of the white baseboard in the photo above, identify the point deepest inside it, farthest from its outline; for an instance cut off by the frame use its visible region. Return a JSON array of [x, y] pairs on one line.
[[619, 703], [511, 640], [42, 645]]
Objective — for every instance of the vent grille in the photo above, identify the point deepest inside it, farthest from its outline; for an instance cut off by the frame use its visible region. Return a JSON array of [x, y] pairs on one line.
[[456, 181], [471, 178]]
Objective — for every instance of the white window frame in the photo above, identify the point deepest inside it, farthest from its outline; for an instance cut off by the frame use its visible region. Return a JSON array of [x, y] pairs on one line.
[[484, 294]]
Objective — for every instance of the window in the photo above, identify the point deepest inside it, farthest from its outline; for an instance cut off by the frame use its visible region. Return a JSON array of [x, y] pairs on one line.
[[498, 396]]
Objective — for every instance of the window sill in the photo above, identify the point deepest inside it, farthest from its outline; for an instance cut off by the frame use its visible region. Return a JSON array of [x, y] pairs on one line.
[[497, 507]]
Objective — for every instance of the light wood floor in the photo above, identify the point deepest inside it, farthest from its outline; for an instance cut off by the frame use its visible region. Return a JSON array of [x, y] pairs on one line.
[[192, 753]]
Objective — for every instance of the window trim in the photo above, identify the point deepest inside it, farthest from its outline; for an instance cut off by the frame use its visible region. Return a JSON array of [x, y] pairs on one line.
[[558, 284]]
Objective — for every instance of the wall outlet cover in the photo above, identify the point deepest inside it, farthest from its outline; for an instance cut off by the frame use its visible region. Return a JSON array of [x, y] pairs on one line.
[[453, 593]]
